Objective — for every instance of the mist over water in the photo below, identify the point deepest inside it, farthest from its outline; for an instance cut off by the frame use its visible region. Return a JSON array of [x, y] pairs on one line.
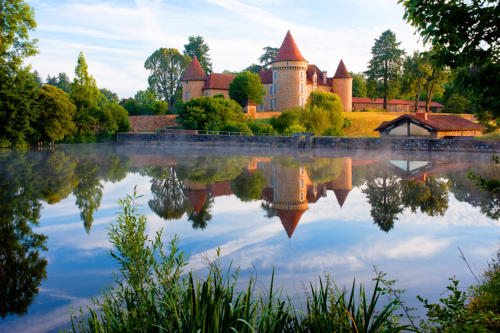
[[302, 213]]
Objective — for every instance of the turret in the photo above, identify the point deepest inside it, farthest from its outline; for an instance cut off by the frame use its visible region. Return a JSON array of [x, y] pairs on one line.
[[193, 81], [342, 86], [289, 77]]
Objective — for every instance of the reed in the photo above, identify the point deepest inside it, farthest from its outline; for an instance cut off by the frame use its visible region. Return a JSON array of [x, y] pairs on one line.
[[152, 292]]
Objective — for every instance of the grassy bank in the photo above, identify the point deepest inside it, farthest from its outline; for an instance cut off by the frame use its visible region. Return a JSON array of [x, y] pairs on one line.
[[152, 293]]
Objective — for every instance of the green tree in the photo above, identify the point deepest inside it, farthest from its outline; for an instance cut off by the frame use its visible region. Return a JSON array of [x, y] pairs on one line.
[[86, 97], [209, 113], [431, 196], [415, 73], [197, 47], [254, 68], [60, 81], [245, 87], [248, 186], [110, 96], [169, 200], [323, 112], [16, 20], [268, 56], [457, 104], [149, 103], [56, 113], [435, 81], [359, 88], [166, 68], [113, 118], [386, 61]]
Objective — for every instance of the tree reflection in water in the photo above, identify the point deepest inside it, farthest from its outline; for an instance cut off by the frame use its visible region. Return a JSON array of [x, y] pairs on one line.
[[169, 200], [384, 196]]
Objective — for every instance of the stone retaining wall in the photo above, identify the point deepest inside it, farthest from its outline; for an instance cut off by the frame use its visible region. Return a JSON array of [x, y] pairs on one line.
[[151, 123], [326, 143]]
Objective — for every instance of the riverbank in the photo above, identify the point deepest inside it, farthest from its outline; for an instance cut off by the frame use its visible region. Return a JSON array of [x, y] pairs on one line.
[[328, 143]]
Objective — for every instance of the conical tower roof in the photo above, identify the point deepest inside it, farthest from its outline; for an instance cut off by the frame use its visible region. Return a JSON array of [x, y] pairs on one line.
[[197, 198], [342, 72], [194, 72], [341, 196], [289, 50], [290, 219]]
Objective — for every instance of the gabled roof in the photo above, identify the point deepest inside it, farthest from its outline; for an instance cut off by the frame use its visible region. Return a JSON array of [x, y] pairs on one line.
[[290, 219], [341, 72], [310, 74], [289, 50], [194, 72], [219, 81], [367, 100], [436, 122], [266, 76]]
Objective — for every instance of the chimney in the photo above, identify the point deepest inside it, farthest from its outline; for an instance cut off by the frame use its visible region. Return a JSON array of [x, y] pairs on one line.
[[422, 114], [324, 77]]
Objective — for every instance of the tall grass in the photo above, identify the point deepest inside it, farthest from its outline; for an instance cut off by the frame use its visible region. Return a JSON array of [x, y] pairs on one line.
[[152, 292]]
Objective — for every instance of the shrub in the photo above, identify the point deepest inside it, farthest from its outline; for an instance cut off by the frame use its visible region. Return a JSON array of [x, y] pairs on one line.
[[236, 126], [261, 128], [286, 119], [245, 87], [457, 104]]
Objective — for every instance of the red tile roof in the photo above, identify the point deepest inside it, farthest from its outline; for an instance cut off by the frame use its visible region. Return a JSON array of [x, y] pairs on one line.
[[266, 76], [310, 73], [438, 122], [219, 81], [393, 101], [194, 72], [289, 50], [341, 72], [197, 198], [290, 219]]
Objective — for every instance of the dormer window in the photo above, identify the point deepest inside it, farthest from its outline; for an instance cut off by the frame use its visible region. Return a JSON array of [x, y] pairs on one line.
[[315, 78]]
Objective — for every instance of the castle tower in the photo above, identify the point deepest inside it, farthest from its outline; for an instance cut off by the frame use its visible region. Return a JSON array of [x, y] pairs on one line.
[[342, 86], [289, 77], [193, 81], [342, 185]]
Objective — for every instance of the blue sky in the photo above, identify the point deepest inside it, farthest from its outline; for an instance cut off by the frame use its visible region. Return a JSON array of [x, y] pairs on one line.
[[117, 36]]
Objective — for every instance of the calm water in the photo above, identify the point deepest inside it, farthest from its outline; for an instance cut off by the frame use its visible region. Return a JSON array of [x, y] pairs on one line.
[[303, 214]]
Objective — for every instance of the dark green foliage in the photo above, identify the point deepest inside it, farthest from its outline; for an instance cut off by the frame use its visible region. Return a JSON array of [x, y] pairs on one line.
[[248, 186], [259, 127], [268, 56], [386, 62], [209, 113], [246, 87], [61, 81], [145, 102], [286, 119], [431, 196], [111, 96], [254, 68], [457, 104], [359, 88], [169, 201], [197, 47], [236, 126], [384, 195]]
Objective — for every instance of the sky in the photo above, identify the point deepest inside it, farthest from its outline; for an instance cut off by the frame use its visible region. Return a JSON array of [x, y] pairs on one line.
[[117, 37]]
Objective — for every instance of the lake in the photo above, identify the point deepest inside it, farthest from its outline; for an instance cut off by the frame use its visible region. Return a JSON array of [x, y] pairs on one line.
[[303, 214]]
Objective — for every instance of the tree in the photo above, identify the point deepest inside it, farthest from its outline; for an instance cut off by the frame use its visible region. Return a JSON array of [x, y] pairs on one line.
[[386, 61], [431, 196], [249, 186], [245, 87], [268, 56], [166, 68], [254, 68], [415, 74], [457, 104], [197, 47], [148, 103], [169, 201], [113, 118], [16, 20], [359, 88], [464, 35], [86, 96], [323, 112], [433, 83], [56, 112], [111, 96], [209, 113]]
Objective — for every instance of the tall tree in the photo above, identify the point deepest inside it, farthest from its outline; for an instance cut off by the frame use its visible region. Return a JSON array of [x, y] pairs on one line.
[[169, 200], [268, 56], [245, 87], [166, 68], [434, 82], [197, 47], [384, 195], [386, 62], [86, 97], [464, 35], [415, 74], [56, 112]]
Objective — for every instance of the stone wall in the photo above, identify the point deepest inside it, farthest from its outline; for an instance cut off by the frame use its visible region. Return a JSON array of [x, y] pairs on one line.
[[325, 143], [151, 123]]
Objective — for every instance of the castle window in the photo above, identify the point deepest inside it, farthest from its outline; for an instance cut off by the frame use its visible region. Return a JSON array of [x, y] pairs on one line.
[[275, 103], [301, 74], [270, 90], [276, 194], [315, 79], [275, 76], [301, 170], [301, 88], [301, 196], [301, 101], [271, 104], [275, 88], [261, 107], [302, 183], [187, 94]]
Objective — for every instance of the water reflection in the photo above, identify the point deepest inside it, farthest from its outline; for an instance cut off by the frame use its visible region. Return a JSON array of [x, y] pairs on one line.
[[184, 185]]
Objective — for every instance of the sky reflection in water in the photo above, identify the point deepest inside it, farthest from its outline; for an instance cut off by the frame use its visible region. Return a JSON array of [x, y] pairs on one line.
[[304, 215]]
